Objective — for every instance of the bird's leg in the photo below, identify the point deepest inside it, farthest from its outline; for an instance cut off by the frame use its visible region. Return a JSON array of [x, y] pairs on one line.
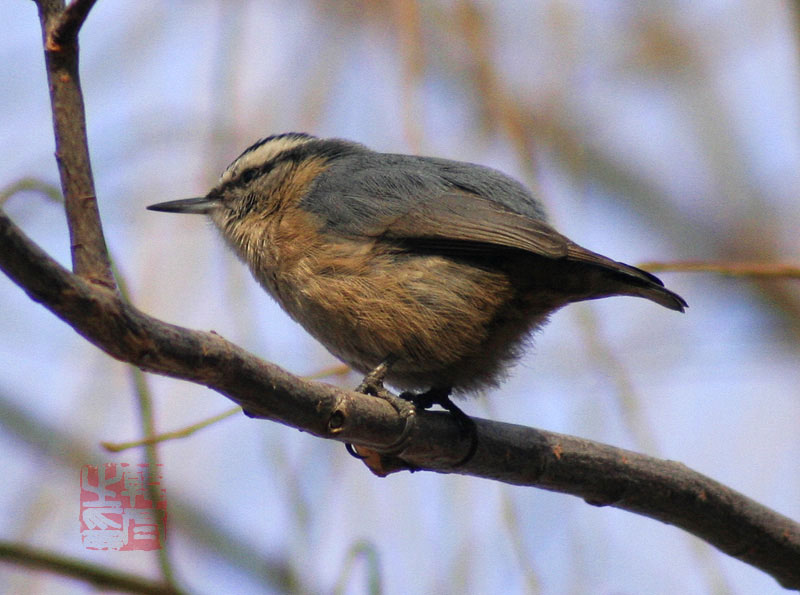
[[441, 396], [372, 384]]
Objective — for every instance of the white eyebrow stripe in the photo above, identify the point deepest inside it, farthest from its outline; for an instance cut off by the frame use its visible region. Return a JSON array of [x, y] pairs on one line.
[[261, 155]]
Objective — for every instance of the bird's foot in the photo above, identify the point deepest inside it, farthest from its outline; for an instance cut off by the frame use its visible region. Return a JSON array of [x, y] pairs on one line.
[[441, 396], [372, 384]]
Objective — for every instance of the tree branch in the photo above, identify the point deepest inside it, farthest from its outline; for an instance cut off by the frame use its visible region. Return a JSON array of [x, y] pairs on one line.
[[59, 30], [70, 22], [600, 474]]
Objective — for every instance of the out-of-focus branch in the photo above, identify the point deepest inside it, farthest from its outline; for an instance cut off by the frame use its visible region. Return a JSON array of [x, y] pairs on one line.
[[144, 401], [733, 269], [48, 438], [367, 551], [98, 576], [555, 129], [496, 102], [30, 185], [407, 21]]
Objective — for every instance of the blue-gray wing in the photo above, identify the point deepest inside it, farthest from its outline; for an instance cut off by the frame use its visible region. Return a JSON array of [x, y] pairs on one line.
[[454, 206], [409, 197]]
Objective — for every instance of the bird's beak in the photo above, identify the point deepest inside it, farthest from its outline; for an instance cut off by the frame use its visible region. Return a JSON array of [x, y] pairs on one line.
[[201, 205]]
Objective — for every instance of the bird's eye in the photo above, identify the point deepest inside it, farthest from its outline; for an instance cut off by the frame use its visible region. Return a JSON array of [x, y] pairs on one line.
[[248, 175]]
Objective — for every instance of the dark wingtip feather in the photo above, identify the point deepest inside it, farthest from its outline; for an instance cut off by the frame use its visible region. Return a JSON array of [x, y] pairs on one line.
[[665, 297], [652, 288]]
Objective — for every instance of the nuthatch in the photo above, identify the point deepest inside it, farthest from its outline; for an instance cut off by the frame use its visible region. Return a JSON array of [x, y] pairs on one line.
[[441, 268]]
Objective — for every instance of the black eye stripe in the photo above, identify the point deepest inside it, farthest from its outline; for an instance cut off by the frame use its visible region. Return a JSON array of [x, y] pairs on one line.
[[252, 173], [249, 175]]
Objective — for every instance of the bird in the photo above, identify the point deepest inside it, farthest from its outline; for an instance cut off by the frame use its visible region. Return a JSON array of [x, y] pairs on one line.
[[434, 272]]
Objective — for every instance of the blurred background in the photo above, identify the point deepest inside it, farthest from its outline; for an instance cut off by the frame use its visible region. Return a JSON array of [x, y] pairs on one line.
[[652, 131]]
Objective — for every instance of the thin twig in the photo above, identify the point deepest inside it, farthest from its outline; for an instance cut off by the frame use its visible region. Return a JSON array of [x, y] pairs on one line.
[[339, 370], [30, 185], [734, 269], [174, 435]]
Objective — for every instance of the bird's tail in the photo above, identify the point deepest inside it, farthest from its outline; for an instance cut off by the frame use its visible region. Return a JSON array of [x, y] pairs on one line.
[[624, 279]]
